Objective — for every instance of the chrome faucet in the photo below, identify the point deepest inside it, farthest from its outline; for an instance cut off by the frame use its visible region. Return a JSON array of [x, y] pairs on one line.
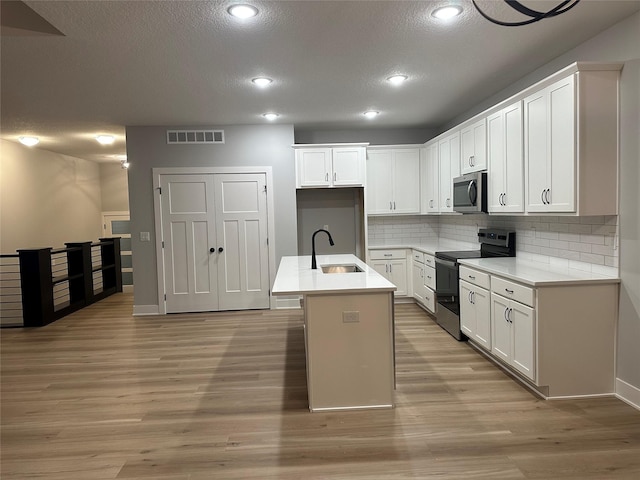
[[313, 246]]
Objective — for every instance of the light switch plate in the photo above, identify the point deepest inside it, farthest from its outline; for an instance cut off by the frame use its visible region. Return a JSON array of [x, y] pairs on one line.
[[145, 237]]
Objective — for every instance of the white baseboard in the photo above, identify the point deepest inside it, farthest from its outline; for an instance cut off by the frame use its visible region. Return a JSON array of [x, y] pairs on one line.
[[140, 310], [628, 393], [287, 302]]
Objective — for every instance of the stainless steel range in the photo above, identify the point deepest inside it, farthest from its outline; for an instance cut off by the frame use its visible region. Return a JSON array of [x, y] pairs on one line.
[[493, 243]]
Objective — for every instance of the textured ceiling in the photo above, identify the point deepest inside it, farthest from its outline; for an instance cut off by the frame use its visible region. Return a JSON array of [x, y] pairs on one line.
[[189, 63]]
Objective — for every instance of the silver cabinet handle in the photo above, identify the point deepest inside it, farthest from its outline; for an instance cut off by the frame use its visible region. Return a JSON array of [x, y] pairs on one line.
[[430, 203], [390, 268], [510, 292], [546, 196], [386, 268], [509, 315], [472, 277], [394, 204], [326, 177], [470, 297], [473, 297], [506, 312], [388, 254], [390, 205], [542, 196], [472, 160], [429, 277], [335, 176]]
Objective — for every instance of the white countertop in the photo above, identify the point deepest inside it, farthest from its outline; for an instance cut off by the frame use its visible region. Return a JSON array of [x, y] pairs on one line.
[[536, 274], [295, 277]]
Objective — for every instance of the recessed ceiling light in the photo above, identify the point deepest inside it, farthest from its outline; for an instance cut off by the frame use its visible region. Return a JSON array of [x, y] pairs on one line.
[[243, 11], [29, 141], [447, 12], [371, 113], [105, 139], [397, 79], [270, 116], [262, 81]]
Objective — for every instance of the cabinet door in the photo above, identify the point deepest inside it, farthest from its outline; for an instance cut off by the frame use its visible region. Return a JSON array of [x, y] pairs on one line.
[[482, 305], [500, 328], [449, 163], [430, 180], [467, 310], [418, 281], [496, 160], [523, 338], [513, 198], [406, 181], [379, 182], [398, 276], [348, 166], [381, 266], [562, 136], [473, 147], [536, 150], [314, 167]]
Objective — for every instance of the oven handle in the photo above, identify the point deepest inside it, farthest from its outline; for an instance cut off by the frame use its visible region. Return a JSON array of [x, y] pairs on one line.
[[446, 263]]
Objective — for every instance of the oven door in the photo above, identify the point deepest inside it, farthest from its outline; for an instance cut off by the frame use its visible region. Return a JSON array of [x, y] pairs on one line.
[[447, 288]]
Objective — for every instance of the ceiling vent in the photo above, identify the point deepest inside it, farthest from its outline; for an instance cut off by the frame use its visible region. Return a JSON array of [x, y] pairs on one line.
[[195, 136]]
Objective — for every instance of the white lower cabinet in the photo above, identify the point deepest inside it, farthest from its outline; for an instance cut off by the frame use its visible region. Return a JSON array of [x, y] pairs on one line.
[[475, 314], [513, 334], [424, 280], [392, 264]]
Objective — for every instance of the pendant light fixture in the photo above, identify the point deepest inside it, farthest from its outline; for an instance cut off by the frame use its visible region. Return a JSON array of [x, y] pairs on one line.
[[534, 15]]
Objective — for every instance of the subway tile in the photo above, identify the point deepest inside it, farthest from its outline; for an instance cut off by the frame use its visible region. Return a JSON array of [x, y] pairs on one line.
[[569, 237], [594, 220], [581, 229], [580, 247], [602, 250], [594, 239], [548, 235], [563, 245], [592, 258], [604, 229], [559, 227]]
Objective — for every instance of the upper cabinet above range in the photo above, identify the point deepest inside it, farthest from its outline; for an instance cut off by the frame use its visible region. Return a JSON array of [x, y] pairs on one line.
[[473, 146], [330, 165]]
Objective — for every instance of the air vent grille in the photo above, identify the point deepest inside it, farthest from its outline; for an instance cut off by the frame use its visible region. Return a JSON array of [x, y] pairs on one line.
[[195, 136]]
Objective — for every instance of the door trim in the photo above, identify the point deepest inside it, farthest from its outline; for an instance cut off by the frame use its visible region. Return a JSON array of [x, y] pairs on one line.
[[157, 212]]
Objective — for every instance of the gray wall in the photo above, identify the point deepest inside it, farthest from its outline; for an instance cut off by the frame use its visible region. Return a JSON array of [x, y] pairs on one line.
[[252, 145], [618, 43], [375, 136]]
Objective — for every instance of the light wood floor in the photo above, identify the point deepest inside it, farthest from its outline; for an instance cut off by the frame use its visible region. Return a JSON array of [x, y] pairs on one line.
[[103, 395]]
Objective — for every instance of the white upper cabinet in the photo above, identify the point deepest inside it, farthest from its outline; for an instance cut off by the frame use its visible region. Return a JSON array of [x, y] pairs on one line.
[[393, 181], [571, 142], [473, 142], [449, 165], [430, 180], [550, 148], [323, 166], [505, 160]]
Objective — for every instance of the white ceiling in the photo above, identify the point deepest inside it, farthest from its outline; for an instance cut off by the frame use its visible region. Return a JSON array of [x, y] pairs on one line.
[[189, 63]]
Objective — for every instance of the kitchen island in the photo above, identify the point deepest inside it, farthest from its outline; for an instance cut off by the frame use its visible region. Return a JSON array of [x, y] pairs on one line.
[[348, 330]]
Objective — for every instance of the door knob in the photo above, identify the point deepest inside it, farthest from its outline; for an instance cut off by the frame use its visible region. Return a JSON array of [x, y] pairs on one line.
[[212, 250], [220, 249]]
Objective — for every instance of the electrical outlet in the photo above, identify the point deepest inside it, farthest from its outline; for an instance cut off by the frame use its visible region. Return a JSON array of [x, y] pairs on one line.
[[350, 317]]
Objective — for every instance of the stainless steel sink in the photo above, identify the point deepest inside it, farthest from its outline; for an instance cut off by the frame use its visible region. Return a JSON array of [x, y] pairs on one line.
[[341, 269]]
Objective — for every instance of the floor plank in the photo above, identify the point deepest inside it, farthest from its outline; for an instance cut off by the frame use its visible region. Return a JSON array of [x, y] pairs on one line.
[[103, 395]]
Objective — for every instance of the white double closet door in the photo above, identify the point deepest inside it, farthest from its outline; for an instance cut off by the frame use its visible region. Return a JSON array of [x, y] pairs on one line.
[[215, 246]]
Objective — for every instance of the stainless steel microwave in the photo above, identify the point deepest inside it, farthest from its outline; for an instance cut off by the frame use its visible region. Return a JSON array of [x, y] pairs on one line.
[[470, 193]]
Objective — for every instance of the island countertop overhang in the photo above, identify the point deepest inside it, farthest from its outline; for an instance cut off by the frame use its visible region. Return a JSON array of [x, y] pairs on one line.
[[295, 277]]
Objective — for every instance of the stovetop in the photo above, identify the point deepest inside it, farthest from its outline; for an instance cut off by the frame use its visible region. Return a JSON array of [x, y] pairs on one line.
[[456, 255]]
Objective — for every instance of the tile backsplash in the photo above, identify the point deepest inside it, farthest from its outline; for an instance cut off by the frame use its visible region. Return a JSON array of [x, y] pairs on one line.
[[583, 243]]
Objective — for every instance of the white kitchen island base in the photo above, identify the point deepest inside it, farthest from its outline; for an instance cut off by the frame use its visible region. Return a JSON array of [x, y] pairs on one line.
[[349, 331], [350, 351]]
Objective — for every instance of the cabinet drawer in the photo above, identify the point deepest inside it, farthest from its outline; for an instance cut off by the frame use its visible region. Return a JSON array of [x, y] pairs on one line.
[[512, 290], [430, 277], [387, 254], [429, 260], [418, 256], [476, 277]]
